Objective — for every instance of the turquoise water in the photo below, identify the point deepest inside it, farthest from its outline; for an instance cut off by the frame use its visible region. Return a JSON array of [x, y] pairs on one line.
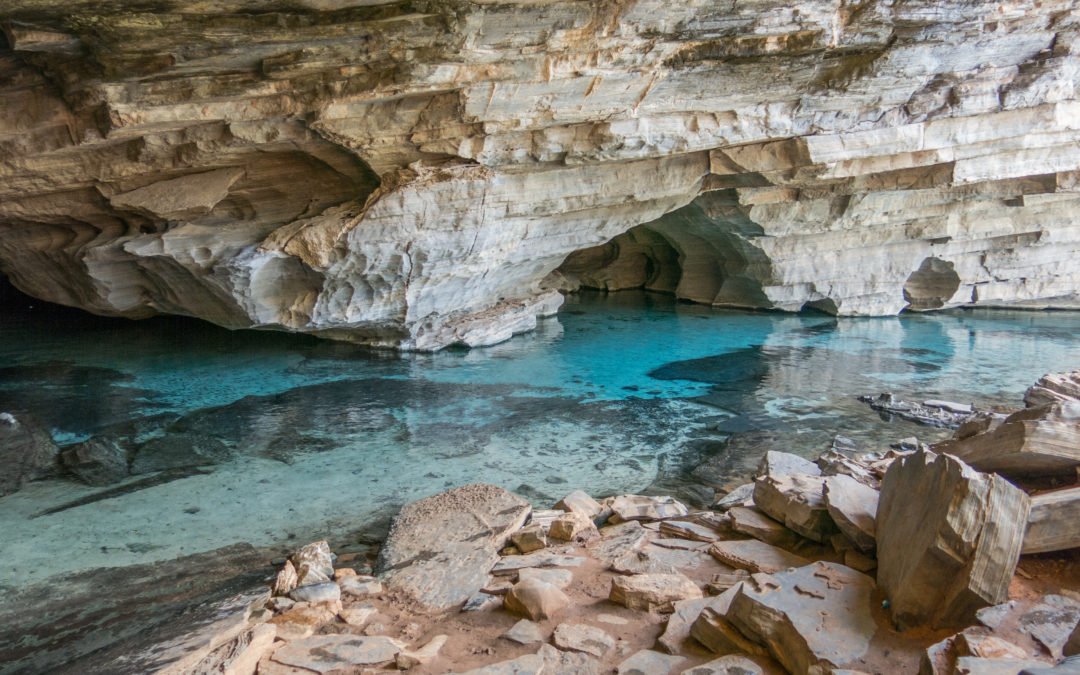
[[618, 393]]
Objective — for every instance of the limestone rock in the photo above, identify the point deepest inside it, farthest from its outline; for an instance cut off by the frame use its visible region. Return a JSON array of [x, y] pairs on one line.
[[530, 538], [619, 540], [582, 638], [530, 664], [326, 653], [810, 616], [648, 662], [286, 579], [524, 632], [755, 556], [776, 463], [326, 592], [740, 496], [582, 503], [685, 613], [535, 599], [752, 522], [732, 664], [514, 563], [317, 555], [641, 507], [688, 530], [560, 578], [409, 658], [853, 507], [1053, 387], [948, 539], [558, 662], [96, 461], [798, 501], [27, 451], [440, 549], [652, 592], [572, 525]]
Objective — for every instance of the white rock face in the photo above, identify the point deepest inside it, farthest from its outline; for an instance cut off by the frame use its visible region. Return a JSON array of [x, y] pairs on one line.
[[412, 176]]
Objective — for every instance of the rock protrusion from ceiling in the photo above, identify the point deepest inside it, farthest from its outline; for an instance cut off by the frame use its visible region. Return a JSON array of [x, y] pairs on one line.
[[411, 175]]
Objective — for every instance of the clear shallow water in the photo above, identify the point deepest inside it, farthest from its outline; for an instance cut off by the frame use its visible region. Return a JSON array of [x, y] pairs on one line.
[[620, 393]]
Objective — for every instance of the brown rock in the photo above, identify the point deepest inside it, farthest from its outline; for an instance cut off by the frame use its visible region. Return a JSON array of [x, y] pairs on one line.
[[578, 501], [755, 556], [652, 592], [582, 638], [1054, 387], [798, 502], [948, 539], [853, 507], [572, 525], [536, 600], [530, 538], [752, 522], [286, 579]]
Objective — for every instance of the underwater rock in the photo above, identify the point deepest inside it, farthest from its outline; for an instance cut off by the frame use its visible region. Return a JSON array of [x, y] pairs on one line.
[[943, 414], [27, 451], [96, 461], [176, 451]]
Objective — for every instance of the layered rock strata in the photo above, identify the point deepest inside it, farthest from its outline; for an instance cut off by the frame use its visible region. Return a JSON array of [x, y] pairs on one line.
[[410, 174]]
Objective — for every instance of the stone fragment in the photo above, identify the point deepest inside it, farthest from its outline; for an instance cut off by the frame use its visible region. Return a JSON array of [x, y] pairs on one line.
[[557, 662], [685, 613], [410, 658], [1051, 621], [301, 621], [327, 653], [617, 541], [1053, 522], [27, 451], [642, 562], [987, 647], [320, 593], [361, 586], [725, 580], [481, 602], [817, 615], [530, 664], [342, 572], [719, 636], [498, 586], [524, 632], [1053, 387], [992, 616], [280, 603], [777, 464], [572, 525], [514, 563], [1072, 645], [755, 556], [948, 539], [688, 530], [652, 592], [797, 501], [536, 599], [582, 638], [938, 658], [648, 662], [1033, 442], [732, 664], [740, 496], [560, 578], [530, 538], [307, 575], [641, 507], [582, 503], [835, 464], [440, 549], [853, 507], [357, 615], [317, 555], [286, 579], [752, 522], [96, 461], [973, 665], [258, 643]]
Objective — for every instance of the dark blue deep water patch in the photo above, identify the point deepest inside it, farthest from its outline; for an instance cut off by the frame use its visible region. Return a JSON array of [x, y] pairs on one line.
[[271, 439]]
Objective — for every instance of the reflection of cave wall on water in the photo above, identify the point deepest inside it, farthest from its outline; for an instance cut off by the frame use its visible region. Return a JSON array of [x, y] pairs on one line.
[[703, 253]]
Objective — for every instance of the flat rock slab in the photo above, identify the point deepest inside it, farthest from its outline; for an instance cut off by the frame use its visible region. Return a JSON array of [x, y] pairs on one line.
[[513, 563], [685, 613], [582, 503], [817, 614], [755, 556], [732, 664], [327, 653], [1053, 387], [973, 665], [360, 586], [797, 501], [648, 662], [948, 539], [558, 662], [530, 664], [753, 523], [555, 577], [652, 592], [617, 541], [740, 496], [776, 463], [641, 507], [1051, 622], [853, 507], [582, 638], [524, 632], [688, 530], [440, 549]]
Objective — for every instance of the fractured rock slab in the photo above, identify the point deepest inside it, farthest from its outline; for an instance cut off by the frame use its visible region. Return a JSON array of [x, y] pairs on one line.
[[409, 658], [317, 555], [740, 496], [853, 507], [524, 632], [652, 592], [1053, 522], [1051, 622], [755, 556], [817, 615], [582, 638], [797, 501], [320, 593], [326, 653], [648, 662], [617, 541], [360, 586], [688, 530], [572, 525], [752, 522], [530, 538], [948, 539], [440, 549], [556, 577], [685, 613], [732, 664], [536, 599], [776, 463], [557, 662], [530, 664], [582, 503], [513, 563], [641, 507], [1053, 387]]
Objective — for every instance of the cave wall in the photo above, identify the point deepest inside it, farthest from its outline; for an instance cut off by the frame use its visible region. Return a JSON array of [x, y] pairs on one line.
[[410, 174]]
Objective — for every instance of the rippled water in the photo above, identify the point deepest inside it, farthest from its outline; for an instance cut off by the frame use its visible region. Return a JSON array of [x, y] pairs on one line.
[[619, 393]]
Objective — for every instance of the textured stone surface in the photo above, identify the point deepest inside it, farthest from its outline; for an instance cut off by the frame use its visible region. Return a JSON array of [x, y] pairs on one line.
[[1054, 387], [524, 632], [96, 461], [948, 539], [535, 599], [1054, 522], [560, 578], [325, 653], [646, 508], [652, 592], [582, 638], [530, 664], [648, 662], [853, 507], [440, 549], [410, 175], [27, 451], [557, 662], [733, 664], [797, 501], [755, 556]]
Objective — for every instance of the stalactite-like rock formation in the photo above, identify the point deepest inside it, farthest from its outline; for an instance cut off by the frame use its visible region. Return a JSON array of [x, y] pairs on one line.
[[410, 174]]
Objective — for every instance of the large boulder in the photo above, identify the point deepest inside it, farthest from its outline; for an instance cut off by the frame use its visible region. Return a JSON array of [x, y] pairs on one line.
[[27, 451], [441, 549], [948, 539]]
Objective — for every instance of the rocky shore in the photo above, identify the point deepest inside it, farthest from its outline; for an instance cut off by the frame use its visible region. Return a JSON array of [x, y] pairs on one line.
[[931, 560]]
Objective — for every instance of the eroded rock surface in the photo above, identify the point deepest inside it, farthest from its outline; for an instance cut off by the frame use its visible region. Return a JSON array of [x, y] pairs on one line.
[[411, 174]]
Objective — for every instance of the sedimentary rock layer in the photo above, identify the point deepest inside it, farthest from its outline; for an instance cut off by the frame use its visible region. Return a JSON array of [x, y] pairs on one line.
[[411, 173]]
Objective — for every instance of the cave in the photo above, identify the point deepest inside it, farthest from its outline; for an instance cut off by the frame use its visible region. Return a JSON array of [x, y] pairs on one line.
[[932, 285]]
